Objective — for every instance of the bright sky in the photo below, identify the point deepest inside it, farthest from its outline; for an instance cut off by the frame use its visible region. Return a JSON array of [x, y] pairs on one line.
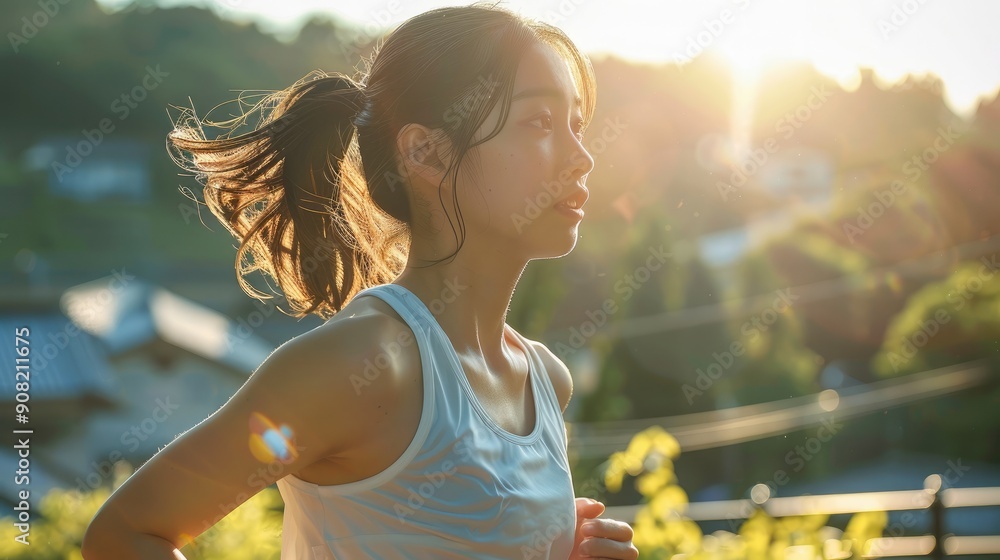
[[955, 39]]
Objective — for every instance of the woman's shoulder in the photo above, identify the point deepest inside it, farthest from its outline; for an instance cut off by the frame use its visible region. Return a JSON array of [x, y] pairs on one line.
[[357, 354], [558, 373]]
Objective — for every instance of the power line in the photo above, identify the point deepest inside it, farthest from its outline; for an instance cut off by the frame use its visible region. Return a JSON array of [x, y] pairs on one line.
[[706, 430]]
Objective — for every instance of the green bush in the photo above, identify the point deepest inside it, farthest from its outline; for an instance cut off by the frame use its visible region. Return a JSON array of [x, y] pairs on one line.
[[661, 531], [252, 530]]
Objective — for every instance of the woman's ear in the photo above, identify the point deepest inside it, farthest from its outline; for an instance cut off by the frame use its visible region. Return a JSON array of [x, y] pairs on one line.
[[423, 152]]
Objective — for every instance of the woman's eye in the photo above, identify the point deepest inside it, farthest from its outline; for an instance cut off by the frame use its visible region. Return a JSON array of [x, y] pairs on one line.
[[547, 118]]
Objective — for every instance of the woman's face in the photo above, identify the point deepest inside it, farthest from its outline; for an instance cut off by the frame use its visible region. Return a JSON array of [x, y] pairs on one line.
[[534, 162]]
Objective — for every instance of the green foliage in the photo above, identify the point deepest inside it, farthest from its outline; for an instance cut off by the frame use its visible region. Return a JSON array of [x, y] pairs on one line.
[[641, 374], [960, 314], [79, 67], [778, 361], [541, 288], [58, 534], [662, 531], [252, 530]]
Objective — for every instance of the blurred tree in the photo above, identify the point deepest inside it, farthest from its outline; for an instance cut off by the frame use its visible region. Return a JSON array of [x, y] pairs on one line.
[[948, 322], [648, 370]]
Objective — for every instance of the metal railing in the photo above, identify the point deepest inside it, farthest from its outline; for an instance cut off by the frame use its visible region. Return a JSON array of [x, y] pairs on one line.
[[931, 498]]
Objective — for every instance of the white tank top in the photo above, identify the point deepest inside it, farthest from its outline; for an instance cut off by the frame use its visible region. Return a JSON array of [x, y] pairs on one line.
[[463, 488]]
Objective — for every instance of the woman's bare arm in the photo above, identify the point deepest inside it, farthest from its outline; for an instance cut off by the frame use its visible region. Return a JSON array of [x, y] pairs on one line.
[[208, 471]]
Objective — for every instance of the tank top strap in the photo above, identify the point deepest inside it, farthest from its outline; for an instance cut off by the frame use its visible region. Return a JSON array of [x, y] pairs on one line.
[[546, 391], [396, 297], [416, 312]]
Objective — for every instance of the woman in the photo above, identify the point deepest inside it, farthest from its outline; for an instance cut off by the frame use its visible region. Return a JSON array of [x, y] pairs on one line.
[[415, 423]]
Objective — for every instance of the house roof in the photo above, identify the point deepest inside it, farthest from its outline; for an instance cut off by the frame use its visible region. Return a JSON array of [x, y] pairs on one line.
[[125, 312]]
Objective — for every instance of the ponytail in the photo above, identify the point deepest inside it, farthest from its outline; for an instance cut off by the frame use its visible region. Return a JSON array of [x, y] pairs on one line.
[[293, 192]]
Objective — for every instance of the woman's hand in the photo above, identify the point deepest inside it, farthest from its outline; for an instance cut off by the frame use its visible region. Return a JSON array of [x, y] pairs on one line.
[[600, 538]]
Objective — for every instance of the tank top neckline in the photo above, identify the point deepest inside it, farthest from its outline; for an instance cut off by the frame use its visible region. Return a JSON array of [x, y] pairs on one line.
[[529, 438]]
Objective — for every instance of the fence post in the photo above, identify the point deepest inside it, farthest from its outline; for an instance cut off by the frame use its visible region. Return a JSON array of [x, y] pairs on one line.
[[933, 485]]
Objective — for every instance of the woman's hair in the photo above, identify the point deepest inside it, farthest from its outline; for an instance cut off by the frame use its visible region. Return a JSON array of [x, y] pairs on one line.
[[298, 190]]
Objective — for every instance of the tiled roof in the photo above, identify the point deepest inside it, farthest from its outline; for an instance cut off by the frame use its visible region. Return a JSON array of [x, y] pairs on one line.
[[125, 312]]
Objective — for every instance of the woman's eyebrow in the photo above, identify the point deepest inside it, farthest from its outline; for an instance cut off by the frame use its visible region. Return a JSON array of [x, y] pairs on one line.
[[559, 95]]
